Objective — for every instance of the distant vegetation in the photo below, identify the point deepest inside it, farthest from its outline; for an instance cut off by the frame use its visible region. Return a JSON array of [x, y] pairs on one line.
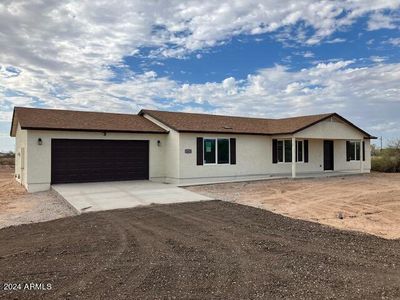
[[388, 159], [7, 158]]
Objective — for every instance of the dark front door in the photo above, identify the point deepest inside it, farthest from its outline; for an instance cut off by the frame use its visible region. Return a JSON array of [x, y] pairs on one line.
[[328, 155], [98, 160]]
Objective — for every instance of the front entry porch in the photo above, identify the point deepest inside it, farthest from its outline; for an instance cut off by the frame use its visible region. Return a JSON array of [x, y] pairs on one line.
[[331, 156]]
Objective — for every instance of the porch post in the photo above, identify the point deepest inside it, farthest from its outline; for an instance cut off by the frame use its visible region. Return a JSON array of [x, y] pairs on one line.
[[361, 157], [293, 157]]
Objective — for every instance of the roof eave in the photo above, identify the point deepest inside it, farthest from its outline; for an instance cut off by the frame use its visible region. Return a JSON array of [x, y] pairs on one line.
[[12, 132], [94, 130], [222, 132]]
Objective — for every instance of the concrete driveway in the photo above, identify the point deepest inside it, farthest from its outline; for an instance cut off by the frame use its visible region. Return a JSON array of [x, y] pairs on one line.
[[86, 197]]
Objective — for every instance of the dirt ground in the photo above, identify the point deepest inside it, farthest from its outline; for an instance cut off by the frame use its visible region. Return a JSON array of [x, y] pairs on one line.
[[368, 203], [19, 207], [199, 250]]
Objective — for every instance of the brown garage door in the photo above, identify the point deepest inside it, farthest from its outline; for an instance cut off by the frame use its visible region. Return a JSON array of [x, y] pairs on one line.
[[98, 160]]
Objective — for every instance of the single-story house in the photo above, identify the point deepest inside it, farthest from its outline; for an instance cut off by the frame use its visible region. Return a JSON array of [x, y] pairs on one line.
[[65, 146]]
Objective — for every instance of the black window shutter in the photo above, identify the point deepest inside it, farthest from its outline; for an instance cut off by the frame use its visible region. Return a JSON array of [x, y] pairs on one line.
[[297, 151], [305, 151], [199, 151], [233, 151], [348, 150], [363, 151], [274, 151]]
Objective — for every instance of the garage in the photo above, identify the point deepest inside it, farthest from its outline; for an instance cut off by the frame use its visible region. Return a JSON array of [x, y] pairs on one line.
[[79, 160]]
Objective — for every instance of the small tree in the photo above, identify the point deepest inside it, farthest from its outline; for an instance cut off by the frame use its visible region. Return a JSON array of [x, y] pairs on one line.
[[374, 150], [389, 159], [394, 145]]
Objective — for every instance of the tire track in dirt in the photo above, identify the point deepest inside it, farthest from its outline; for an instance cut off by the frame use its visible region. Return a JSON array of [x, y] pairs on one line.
[[86, 278], [167, 240], [238, 253]]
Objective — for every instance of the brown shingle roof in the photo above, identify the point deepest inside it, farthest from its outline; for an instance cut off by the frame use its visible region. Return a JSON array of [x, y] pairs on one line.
[[55, 119], [194, 122]]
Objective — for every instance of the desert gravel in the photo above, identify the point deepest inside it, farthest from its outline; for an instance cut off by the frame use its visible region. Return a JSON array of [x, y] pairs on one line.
[[19, 207], [368, 203]]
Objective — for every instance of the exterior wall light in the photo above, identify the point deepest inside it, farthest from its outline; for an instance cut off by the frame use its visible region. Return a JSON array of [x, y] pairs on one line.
[[159, 143], [39, 142]]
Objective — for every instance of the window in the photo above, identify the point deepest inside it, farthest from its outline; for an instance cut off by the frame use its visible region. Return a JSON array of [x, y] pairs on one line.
[[288, 150], [299, 147], [223, 151], [284, 151], [209, 151], [216, 151], [280, 151], [353, 150]]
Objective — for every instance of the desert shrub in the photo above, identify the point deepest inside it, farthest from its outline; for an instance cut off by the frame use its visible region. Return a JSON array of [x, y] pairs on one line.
[[7, 158], [388, 159], [7, 161]]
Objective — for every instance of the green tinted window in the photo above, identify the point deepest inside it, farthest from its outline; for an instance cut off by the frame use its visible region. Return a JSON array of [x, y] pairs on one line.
[[209, 151]]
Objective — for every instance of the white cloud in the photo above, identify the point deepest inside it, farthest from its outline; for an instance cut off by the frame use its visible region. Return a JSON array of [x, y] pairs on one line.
[[379, 20], [305, 54], [336, 40], [394, 41], [378, 59]]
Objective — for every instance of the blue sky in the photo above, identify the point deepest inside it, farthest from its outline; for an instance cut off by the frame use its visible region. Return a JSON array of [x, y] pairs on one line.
[[244, 54], [247, 58]]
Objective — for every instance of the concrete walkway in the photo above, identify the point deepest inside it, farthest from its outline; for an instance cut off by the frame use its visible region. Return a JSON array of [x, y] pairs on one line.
[[87, 197]]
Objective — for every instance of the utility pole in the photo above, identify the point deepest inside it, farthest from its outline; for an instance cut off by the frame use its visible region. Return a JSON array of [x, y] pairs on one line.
[[381, 143]]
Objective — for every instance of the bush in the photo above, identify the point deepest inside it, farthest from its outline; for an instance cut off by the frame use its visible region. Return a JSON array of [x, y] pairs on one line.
[[7, 158], [388, 159], [7, 161]]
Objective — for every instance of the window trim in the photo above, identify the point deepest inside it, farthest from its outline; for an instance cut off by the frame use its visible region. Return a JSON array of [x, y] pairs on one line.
[[216, 151], [283, 149], [355, 150]]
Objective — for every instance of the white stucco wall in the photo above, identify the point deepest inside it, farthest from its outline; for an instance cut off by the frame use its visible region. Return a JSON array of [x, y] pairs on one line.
[[254, 158], [251, 158], [39, 157], [171, 148], [330, 129], [21, 167], [340, 163]]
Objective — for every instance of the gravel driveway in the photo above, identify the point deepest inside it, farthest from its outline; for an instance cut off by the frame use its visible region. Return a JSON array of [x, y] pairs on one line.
[[197, 250]]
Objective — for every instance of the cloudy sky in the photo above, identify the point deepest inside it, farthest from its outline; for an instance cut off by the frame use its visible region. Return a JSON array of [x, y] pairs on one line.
[[253, 58]]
